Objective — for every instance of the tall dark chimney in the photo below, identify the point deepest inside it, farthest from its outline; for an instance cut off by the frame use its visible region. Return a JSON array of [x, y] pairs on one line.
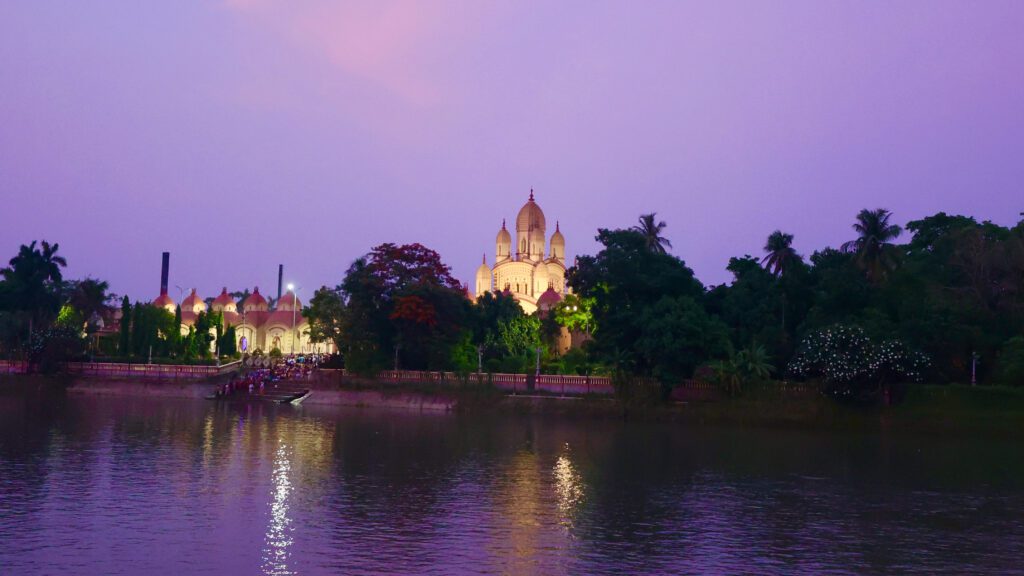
[[164, 269], [280, 278]]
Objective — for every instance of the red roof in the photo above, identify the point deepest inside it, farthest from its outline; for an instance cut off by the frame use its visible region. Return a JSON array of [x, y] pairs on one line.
[[192, 300], [224, 299], [164, 301], [255, 300], [549, 299]]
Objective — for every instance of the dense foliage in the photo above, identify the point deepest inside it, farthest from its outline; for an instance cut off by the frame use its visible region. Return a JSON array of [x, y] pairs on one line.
[[946, 304]]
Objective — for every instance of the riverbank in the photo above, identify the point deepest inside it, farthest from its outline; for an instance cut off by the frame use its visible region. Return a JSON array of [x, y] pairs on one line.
[[925, 407]]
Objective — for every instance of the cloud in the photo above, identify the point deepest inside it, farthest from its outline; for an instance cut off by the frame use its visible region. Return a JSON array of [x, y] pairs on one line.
[[386, 44]]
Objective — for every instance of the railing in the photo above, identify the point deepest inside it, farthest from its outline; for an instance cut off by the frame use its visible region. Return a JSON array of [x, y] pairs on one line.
[[519, 383], [118, 370], [13, 366], [167, 371], [564, 385]]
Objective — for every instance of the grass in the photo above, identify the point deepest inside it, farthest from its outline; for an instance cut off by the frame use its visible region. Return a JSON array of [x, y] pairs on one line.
[[955, 406]]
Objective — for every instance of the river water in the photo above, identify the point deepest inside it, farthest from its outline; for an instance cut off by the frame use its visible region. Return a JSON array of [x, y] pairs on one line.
[[140, 486]]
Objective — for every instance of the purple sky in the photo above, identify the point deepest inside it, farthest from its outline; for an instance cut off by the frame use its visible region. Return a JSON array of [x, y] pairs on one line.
[[245, 133]]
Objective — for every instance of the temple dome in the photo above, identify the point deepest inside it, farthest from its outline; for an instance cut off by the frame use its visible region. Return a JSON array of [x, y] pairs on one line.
[[166, 302], [503, 244], [224, 302], [289, 301], [557, 243], [530, 217], [255, 302], [193, 303], [503, 236], [549, 299]]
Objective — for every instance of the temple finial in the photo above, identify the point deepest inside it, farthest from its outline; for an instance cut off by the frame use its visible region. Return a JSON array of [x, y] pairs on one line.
[[531, 194]]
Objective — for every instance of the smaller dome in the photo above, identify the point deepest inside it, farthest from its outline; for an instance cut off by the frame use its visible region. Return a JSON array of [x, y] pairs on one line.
[[540, 271], [193, 303], [166, 302], [288, 302], [549, 299], [255, 302], [224, 302], [483, 270], [503, 236], [557, 237]]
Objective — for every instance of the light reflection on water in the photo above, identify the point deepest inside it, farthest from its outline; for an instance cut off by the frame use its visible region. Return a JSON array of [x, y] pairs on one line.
[[120, 486], [569, 487], [279, 539]]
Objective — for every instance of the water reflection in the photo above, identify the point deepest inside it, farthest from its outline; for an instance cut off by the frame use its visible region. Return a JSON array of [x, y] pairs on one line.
[[279, 538], [163, 487], [569, 488]]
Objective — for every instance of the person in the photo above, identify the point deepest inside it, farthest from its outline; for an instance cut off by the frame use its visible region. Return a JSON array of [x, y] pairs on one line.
[[250, 387], [261, 388]]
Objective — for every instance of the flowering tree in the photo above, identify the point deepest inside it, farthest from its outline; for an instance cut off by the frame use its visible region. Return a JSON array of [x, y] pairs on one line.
[[852, 365]]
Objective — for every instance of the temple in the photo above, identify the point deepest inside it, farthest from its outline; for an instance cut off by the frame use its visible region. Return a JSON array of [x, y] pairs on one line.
[[534, 273], [257, 327]]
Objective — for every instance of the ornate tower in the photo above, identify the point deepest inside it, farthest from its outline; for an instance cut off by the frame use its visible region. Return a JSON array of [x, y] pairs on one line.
[[530, 232], [503, 245]]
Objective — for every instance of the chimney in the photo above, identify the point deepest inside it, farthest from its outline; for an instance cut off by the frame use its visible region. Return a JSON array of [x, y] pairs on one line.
[[164, 269], [280, 278]]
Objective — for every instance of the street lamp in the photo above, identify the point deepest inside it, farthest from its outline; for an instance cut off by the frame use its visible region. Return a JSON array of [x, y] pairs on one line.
[[291, 288]]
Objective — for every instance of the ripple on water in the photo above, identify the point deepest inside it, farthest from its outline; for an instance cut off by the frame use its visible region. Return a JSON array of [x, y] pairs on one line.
[[119, 487]]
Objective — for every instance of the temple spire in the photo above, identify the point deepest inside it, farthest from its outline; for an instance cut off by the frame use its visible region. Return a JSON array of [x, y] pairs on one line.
[[531, 194]]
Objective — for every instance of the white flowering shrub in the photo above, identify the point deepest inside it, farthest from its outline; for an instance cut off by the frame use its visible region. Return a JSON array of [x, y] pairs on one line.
[[850, 363]]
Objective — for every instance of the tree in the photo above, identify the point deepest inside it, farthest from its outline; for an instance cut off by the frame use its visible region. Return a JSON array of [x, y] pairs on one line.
[[326, 316], [1010, 361], [780, 256], [651, 231], [678, 335], [751, 364], [629, 286], [90, 297], [125, 340], [875, 254], [574, 313], [401, 302], [34, 283]]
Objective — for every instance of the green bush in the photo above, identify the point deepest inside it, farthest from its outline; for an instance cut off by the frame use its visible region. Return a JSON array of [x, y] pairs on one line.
[[1010, 363]]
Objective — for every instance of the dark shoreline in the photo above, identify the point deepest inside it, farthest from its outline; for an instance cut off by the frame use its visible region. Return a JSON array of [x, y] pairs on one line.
[[934, 409]]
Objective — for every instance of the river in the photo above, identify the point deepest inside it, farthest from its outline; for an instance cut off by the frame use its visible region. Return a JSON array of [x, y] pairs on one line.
[[145, 486]]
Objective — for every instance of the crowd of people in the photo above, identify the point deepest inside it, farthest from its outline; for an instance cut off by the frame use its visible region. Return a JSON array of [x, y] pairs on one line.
[[257, 380]]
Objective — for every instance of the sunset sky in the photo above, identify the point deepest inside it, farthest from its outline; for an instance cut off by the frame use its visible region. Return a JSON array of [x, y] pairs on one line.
[[242, 134]]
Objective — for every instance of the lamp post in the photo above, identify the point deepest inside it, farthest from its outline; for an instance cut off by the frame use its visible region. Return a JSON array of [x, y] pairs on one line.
[[291, 288]]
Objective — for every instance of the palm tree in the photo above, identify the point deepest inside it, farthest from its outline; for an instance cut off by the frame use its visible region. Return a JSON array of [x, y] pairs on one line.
[[91, 297], [35, 280], [875, 253], [750, 365], [651, 232], [779, 253], [754, 362]]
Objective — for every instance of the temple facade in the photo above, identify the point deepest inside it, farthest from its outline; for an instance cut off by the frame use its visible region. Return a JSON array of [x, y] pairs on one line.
[[532, 269], [257, 327]]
